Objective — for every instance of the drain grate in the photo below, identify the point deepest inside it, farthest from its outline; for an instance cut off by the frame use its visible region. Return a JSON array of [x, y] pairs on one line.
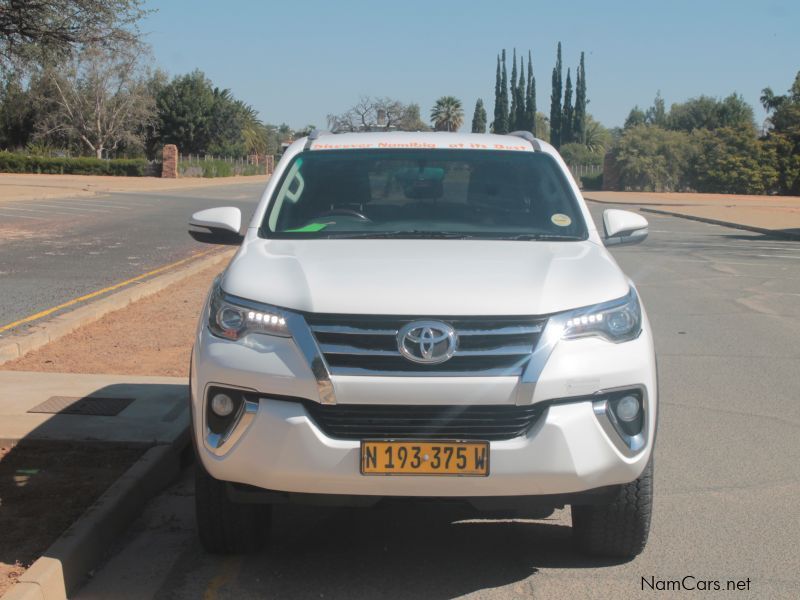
[[96, 406]]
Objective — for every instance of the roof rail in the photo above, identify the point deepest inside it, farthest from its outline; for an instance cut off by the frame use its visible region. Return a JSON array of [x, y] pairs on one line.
[[315, 133], [527, 135]]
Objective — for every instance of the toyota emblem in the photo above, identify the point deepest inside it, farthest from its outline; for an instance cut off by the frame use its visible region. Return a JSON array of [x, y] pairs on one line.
[[427, 342]]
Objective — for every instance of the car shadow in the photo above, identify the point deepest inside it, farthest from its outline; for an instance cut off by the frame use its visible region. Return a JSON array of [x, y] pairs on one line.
[[402, 551]]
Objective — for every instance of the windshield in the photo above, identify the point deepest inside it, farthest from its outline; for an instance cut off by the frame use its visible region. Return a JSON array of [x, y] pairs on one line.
[[424, 194]]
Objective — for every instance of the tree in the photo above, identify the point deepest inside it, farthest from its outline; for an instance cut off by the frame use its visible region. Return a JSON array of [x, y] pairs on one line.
[[185, 108], [656, 114], [447, 114], [568, 114], [501, 118], [635, 118], [51, 30], [17, 115], [498, 99], [512, 114], [783, 136], [555, 102], [411, 119], [99, 98], [479, 118], [542, 127], [519, 119], [705, 112], [378, 114], [530, 99], [597, 138], [579, 124]]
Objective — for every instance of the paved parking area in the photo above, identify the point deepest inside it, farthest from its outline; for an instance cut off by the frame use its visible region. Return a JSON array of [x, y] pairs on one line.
[[725, 307], [52, 251]]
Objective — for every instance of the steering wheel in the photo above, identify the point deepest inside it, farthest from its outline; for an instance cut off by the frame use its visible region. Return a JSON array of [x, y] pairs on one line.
[[347, 212]]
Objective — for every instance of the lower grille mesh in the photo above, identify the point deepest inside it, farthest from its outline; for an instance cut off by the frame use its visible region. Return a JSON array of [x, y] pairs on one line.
[[458, 422]]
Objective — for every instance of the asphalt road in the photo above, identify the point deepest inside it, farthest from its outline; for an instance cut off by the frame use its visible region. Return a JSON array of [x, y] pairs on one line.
[[725, 307], [52, 251]]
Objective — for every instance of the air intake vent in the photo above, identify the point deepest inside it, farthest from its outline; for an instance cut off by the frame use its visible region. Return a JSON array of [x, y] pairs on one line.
[[461, 422]]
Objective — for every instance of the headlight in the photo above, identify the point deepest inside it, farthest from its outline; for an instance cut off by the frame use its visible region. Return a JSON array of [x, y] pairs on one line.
[[232, 318], [618, 321]]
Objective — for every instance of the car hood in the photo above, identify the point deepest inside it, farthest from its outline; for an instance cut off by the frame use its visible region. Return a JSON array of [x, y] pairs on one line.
[[424, 277]]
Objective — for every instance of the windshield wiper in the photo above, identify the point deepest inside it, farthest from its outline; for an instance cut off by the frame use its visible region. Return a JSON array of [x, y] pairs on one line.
[[403, 234]]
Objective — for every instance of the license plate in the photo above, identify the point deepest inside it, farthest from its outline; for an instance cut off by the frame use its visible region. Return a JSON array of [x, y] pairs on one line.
[[380, 457]]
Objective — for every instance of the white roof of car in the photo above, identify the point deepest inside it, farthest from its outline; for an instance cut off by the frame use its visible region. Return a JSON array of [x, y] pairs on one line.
[[421, 139]]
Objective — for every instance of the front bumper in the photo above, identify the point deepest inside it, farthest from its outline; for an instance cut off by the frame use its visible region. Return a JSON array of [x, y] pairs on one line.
[[569, 449]]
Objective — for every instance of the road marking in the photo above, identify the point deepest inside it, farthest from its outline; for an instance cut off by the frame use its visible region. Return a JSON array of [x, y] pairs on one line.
[[230, 569], [83, 204], [67, 207], [22, 217], [111, 288], [47, 212]]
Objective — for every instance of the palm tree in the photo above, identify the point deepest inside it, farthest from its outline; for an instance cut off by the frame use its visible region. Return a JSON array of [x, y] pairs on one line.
[[447, 114]]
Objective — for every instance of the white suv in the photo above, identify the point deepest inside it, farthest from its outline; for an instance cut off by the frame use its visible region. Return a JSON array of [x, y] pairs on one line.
[[424, 315]]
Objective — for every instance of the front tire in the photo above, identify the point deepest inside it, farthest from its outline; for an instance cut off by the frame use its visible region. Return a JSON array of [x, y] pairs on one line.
[[620, 528], [224, 526]]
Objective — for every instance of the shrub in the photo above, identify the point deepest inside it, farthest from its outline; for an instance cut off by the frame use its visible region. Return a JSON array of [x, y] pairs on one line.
[[649, 158], [592, 182], [11, 162], [579, 154], [731, 161]]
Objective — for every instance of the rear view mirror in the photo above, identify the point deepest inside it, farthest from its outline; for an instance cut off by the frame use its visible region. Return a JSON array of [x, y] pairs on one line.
[[623, 227], [425, 183], [217, 226]]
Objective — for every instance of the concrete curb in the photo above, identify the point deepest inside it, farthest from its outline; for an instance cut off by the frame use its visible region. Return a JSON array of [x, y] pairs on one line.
[[68, 562], [57, 327], [770, 232]]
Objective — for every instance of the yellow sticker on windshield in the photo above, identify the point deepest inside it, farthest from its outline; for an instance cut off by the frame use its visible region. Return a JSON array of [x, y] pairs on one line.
[[560, 220]]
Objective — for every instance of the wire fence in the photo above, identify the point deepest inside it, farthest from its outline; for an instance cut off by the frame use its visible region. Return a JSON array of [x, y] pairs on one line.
[[209, 165], [579, 171]]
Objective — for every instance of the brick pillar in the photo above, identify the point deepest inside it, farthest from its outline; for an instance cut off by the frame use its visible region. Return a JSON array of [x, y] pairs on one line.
[[169, 161], [270, 161]]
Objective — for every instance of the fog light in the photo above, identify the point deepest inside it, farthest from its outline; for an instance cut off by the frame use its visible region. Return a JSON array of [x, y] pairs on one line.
[[222, 404], [627, 408]]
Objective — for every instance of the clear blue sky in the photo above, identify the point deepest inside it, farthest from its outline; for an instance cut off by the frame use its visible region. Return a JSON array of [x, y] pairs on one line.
[[297, 61]]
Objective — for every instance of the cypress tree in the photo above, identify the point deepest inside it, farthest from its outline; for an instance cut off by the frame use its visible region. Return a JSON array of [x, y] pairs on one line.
[[479, 118], [498, 100], [555, 102], [579, 127], [567, 118], [519, 119], [512, 114], [501, 126], [530, 99]]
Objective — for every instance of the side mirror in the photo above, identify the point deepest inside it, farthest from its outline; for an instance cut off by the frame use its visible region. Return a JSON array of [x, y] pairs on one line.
[[623, 227], [217, 226]]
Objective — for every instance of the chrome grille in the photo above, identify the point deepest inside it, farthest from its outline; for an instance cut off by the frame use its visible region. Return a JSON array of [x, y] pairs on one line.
[[367, 345]]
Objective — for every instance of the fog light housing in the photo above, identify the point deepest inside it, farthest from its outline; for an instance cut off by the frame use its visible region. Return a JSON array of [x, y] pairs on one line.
[[627, 408], [623, 416], [228, 413], [222, 404]]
